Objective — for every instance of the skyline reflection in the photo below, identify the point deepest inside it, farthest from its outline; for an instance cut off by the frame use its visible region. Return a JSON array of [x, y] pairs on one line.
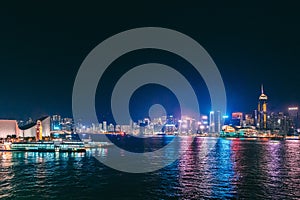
[[210, 168]]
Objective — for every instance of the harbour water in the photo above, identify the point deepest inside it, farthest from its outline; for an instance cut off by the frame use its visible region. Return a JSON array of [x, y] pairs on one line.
[[245, 169]]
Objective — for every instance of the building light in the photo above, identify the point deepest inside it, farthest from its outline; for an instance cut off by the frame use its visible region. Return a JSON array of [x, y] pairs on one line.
[[292, 108]]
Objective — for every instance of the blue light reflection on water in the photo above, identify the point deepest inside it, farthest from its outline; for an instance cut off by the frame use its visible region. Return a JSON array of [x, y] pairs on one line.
[[211, 168]]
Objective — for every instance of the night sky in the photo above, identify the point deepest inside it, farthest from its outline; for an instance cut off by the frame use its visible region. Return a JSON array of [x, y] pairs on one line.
[[44, 44]]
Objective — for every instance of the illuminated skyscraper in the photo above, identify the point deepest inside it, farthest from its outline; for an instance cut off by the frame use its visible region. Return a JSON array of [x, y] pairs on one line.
[[212, 122], [262, 110], [104, 126], [294, 116], [218, 121], [215, 123]]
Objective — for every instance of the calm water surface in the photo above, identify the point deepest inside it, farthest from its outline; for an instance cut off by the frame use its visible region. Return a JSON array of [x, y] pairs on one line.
[[229, 169]]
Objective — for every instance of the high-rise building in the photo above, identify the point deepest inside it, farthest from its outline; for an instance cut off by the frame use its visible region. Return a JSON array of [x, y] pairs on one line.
[[262, 110], [249, 121], [255, 113], [237, 118], [111, 127], [203, 125], [294, 116], [218, 121], [215, 123], [56, 123], [104, 126], [212, 122]]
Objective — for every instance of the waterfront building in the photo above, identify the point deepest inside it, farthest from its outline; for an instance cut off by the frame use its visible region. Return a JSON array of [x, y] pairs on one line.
[[262, 110], [212, 122], [55, 123], [9, 128], [237, 118], [185, 125], [215, 123], [67, 124], [111, 128], [203, 125], [249, 120], [281, 123], [104, 126], [255, 113], [294, 115], [30, 130], [218, 121]]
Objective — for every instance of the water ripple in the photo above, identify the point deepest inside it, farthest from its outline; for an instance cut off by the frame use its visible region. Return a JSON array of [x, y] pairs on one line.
[[212, 168]]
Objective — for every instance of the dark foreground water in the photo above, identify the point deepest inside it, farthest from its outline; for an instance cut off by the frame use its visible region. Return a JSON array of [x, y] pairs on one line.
[[230, 169]]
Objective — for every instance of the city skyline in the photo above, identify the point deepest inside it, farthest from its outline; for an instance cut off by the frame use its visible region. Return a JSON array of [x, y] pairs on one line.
[[262, 97]]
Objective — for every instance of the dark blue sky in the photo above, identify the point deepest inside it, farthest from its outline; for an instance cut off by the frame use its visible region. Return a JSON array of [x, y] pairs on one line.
[[43, 45]]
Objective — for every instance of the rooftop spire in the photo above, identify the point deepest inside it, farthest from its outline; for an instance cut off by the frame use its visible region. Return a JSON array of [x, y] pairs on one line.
[[262, 96]]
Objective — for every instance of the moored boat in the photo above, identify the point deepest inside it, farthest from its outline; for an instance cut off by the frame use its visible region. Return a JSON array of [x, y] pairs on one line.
[[45, 146]]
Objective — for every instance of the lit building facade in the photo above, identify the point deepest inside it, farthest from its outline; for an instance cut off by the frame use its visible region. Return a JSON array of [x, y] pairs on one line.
[[9, 128], [215, 123], [293, 112], [212, 122], [262, 110], [56, 123], [237, 118], [30, 130]]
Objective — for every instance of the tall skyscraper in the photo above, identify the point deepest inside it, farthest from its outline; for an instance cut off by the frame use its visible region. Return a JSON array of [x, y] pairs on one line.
[[212, 122], [104, 126], [215, 123], [218, 121], [262, 110], [294, 116]]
